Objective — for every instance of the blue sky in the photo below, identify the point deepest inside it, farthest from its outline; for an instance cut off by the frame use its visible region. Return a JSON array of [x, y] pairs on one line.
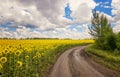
[[43, 18], [68, 12], [103, 6]]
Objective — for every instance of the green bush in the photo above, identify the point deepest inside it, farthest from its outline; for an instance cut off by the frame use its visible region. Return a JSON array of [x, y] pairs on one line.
[[118, 41], [107, 42]]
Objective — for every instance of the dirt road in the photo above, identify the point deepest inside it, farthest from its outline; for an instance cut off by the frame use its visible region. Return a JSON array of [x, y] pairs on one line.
[[75, 63]]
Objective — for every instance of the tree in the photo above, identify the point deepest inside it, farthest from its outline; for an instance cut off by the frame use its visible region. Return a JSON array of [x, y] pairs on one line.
[[102, 32], [99, 24]]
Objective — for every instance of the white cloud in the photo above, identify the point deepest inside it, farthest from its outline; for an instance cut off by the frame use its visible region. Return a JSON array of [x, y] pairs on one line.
[[107, 6], [117, 27], [82, 10], [44, 15], [110, 18], [116, 11], [74, 33], [4, 33]]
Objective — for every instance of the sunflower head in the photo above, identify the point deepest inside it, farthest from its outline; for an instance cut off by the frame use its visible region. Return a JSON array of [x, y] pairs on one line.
[[3, 59], [19, 64], [1, 53], [27, 57], [1, 66], [6, 51], [18, 53], [42, 54]]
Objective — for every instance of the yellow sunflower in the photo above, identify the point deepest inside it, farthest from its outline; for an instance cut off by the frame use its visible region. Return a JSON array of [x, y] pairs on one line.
[[1, 54], [42, 54], [19, 63], [27, 57], [3, 59], [6, 51], [18, 53], [1, 66]]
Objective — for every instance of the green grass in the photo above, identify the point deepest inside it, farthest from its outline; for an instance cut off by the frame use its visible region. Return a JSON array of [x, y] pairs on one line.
[[109, 59]]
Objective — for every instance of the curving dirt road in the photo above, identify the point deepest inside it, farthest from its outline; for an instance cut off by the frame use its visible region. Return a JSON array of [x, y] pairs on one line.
[[75, 63]]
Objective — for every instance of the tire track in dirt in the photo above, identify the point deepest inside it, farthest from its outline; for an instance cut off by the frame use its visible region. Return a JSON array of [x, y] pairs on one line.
[[75, 63]]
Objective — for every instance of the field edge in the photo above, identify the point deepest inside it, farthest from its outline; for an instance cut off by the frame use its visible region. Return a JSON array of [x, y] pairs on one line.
[[98, 56]]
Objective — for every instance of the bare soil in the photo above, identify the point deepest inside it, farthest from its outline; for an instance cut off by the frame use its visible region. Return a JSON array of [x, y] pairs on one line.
[[76, 63]]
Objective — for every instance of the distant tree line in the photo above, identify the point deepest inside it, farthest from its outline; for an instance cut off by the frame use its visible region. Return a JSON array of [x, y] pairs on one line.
[[36, 38], [29, 38]]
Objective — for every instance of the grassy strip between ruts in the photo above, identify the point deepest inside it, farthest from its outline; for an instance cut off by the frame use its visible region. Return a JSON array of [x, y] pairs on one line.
[[109, 59]]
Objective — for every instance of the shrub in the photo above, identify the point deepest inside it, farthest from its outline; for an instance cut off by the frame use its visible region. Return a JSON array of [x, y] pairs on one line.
[[118, 40]]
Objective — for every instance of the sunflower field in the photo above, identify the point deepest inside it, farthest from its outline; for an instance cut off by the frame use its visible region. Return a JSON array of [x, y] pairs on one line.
[[32, 58]]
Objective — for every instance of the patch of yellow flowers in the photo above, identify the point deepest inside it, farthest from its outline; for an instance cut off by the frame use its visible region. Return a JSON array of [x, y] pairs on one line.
[[18, 56]]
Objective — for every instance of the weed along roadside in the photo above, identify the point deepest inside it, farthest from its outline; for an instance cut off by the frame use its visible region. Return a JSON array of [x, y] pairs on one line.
[[108, 59]]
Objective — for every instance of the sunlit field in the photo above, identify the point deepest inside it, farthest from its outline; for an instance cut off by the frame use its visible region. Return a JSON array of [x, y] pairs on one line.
[[31, 58]]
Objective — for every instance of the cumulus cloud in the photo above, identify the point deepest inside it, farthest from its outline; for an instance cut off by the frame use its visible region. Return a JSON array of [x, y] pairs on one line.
[[35, 12], [116, 11], [44, 18], [82, 10], [50, 12]]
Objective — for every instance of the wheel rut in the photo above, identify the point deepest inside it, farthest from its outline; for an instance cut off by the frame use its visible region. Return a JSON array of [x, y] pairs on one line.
[[75, 63]]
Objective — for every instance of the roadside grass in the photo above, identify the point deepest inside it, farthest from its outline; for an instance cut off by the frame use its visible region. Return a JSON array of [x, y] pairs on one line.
[[110, 59]]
